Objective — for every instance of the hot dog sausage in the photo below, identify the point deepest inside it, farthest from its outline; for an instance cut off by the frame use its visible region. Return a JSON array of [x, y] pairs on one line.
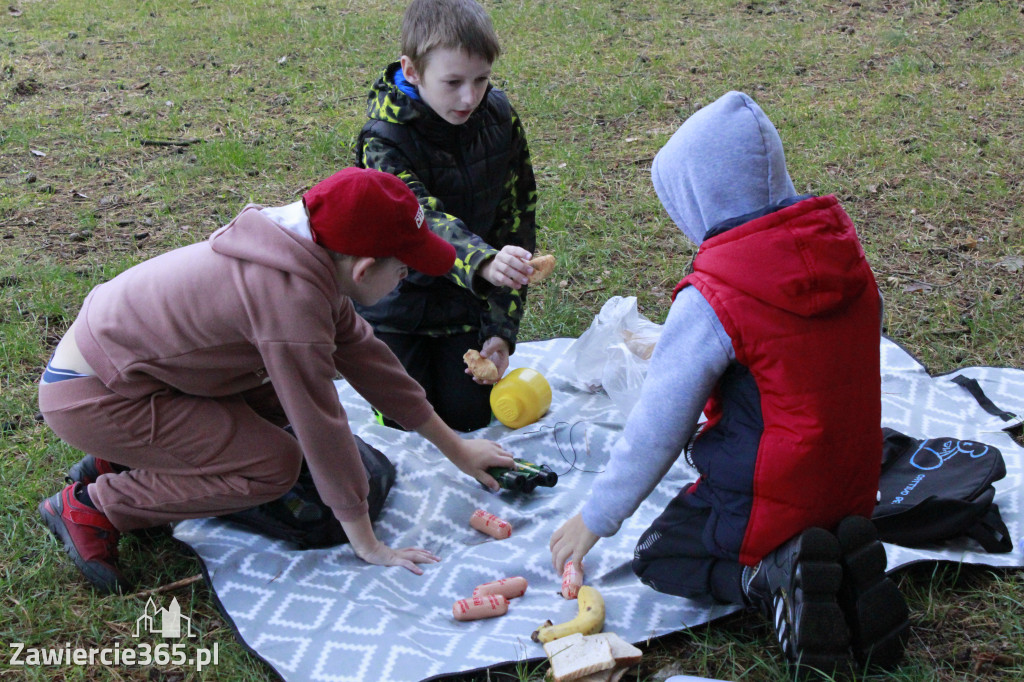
[[510, 588], [482, 606], [490, 524], [572, 580]]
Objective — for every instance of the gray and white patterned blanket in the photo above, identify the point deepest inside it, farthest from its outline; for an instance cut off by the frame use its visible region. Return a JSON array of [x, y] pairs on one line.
[[325, 615]]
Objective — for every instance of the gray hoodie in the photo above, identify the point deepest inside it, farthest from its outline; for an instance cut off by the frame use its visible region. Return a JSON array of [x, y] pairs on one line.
[[725, 161]]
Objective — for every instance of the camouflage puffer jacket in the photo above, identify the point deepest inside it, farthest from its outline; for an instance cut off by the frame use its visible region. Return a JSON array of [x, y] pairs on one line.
[[476, 184]]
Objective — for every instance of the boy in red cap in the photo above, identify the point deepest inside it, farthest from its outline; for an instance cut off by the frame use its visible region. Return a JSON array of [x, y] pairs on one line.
[[179, 374]]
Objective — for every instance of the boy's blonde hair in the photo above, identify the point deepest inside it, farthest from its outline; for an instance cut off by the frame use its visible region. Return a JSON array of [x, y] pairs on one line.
[[447, 24]]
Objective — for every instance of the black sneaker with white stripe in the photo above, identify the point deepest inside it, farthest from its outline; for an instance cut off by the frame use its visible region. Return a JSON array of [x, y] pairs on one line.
[[796, 588]]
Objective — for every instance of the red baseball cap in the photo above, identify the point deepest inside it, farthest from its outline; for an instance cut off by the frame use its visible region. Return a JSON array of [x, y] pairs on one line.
[[365, 212]]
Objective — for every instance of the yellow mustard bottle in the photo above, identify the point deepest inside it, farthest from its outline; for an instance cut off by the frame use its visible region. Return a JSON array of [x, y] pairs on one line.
[[521, 397]]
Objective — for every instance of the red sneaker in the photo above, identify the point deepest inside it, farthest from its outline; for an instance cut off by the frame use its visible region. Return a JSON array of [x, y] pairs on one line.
[[88, 537], [90, 468]]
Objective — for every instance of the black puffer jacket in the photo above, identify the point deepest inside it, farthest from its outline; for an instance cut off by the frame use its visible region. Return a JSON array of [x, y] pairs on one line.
[[476, 184]]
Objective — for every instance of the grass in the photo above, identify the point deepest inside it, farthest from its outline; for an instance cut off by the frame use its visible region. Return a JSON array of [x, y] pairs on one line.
[[909, 111]]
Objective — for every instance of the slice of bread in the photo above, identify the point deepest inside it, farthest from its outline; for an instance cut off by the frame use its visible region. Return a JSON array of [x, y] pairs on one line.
[[625, 654], [556, 645], [581, 658], [576, 660]]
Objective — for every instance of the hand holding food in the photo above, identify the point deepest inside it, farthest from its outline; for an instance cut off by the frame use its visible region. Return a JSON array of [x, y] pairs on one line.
[[508, 268], [571, 541]]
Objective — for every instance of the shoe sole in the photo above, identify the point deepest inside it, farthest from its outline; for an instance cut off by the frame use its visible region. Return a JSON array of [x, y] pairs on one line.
[[875, 610], [821, 635], [103, 581]]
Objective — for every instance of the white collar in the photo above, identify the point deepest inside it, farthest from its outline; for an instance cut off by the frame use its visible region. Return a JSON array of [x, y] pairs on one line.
[[292, 217]]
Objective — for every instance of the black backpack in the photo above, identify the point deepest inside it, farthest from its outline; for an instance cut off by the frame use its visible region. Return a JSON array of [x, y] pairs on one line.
[[939, 489], [302, 518]]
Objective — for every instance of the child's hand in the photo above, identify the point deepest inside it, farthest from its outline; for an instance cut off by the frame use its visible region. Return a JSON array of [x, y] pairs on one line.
[[510, 268], [572, 541], [472, 457], [371, 550], [475, 457], [495, 349], [407, 557]]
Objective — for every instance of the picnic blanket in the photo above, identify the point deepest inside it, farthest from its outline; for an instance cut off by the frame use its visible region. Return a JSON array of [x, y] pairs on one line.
[[326, 615]]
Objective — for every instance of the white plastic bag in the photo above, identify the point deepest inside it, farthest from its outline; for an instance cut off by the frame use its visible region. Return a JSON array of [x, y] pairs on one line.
[[615, 351]]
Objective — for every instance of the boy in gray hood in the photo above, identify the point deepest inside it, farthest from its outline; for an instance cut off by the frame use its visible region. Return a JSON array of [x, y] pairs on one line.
[[774, 336]]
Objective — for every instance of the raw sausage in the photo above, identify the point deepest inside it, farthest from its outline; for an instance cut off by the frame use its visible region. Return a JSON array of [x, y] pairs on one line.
[[483, 606], [572, 580], [510, 588], [490, 524]]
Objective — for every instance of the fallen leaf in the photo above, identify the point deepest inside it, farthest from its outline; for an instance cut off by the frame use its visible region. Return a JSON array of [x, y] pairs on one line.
[[36, 152], [916, 287], [14, 11], [1012, 263]]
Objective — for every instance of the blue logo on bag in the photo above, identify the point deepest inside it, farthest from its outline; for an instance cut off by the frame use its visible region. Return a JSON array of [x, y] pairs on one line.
[[929, 458]]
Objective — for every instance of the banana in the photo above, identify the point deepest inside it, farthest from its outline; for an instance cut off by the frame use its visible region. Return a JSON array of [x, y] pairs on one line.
[[588, 621]]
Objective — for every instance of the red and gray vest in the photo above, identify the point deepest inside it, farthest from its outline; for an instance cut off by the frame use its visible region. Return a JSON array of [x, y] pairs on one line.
[[793, 437]]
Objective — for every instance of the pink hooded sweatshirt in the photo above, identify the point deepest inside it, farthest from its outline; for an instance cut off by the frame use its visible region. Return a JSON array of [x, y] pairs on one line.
[[252, 304]]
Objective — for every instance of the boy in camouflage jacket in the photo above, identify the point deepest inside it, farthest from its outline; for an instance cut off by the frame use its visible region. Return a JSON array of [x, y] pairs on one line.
[[437, 123]]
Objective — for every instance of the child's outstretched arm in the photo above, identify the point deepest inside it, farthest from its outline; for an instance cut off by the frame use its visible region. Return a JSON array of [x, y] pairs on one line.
[[371, 550], [691, 355], [472, 457]]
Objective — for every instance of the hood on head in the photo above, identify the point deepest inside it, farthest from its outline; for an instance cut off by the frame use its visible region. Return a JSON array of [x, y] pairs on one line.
[[388, 102], [724, 161]]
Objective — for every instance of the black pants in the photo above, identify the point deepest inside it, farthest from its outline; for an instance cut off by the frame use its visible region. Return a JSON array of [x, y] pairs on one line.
[[671, 556], [436, 363]]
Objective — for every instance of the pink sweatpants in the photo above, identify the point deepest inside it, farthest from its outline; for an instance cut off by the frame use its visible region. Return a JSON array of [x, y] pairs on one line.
[[189, 456]]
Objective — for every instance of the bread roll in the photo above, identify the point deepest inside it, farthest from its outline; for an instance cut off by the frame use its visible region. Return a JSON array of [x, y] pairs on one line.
[[481, 367], [542, 267]]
